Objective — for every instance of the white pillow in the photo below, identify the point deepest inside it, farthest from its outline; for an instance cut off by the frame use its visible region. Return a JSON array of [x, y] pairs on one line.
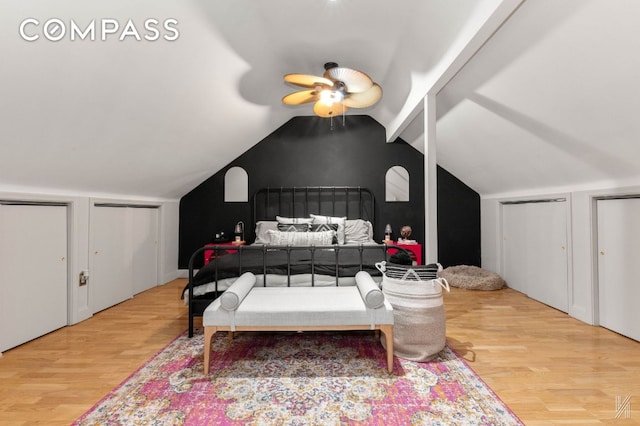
[[358, 231], [340, 221], [262, 237], [279, 238]]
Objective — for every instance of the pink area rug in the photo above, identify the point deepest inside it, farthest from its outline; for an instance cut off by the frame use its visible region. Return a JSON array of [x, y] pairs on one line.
[[298, 379]]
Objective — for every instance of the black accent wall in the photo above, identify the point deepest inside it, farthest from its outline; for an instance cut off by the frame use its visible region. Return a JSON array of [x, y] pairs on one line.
[[458, 222], [310, 151]]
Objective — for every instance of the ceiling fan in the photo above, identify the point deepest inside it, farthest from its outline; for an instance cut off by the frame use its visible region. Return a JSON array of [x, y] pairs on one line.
[[335, 92]]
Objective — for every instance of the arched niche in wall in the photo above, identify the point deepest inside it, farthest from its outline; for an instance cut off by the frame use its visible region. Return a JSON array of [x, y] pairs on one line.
[[397, 184], [236, 185]]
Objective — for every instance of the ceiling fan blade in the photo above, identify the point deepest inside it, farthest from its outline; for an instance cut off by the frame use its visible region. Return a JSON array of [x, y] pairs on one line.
[[306, 80], [301, 97], [356, 81], [364, 99], [325, 110]]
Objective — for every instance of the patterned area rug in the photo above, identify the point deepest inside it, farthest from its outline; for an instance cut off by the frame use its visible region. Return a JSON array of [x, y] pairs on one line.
[[298, 379]]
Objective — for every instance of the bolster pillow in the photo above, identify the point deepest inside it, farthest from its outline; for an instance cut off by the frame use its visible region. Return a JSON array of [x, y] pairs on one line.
[[235, 294], [369, 290]]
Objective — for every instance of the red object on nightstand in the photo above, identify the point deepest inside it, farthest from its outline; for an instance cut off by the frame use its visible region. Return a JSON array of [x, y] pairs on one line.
[[210, 254], [415, 248]]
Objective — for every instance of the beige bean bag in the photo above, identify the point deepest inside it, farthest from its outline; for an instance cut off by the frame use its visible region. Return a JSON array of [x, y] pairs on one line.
[[472, 278]]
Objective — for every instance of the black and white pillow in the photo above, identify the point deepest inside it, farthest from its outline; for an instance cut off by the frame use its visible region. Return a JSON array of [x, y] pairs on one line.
[[319, 227], [423, 272], [293, 227], [324, 227], [340, 221], [279, 238]]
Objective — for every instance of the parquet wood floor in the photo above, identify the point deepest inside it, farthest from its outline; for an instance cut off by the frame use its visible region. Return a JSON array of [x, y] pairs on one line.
[[547, 367]]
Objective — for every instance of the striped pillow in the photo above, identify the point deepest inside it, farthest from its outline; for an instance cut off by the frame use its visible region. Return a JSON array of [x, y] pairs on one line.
[[293, 227], [324, 238]]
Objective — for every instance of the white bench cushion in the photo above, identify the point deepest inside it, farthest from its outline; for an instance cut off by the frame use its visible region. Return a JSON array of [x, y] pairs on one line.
[[299, 306]]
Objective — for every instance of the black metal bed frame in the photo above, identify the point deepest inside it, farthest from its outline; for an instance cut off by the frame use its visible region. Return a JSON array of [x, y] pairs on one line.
[[352, 202]]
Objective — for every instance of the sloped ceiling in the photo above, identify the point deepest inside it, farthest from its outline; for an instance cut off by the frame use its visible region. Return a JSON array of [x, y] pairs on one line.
[[551, 102], [555, 88]]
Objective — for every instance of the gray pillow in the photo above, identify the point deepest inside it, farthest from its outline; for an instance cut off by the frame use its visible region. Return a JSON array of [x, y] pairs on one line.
[[234, 295], [262, 237], [371, 294], [358, 231]]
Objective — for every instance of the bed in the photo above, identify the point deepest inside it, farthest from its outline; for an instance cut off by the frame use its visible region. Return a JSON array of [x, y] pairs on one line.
[[304, 236]]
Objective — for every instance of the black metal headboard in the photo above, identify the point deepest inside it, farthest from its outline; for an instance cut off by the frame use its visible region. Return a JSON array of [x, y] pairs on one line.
[[354, 202]]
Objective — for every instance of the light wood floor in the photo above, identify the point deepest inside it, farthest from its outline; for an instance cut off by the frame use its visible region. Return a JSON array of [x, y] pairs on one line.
[[547, 367]]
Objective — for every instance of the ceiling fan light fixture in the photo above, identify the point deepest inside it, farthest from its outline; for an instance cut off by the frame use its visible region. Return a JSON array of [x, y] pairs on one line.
[[326, 97], [335, 92], [329, 97]]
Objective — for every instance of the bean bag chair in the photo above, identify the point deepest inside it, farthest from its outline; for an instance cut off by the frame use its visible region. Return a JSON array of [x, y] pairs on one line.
[[472, 278]]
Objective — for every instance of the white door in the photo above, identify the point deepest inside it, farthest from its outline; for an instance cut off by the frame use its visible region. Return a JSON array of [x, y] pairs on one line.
[[145, 248], [33, 272], [111, 257], [618, 273], [535, 251], [514, 246]]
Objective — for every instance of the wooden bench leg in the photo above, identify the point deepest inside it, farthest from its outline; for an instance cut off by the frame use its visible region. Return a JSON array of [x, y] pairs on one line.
[[208, 337], [387, 330]]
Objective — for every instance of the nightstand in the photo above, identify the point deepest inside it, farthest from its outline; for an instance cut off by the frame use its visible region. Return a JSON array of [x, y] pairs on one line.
[[414, 248], [210, 254]]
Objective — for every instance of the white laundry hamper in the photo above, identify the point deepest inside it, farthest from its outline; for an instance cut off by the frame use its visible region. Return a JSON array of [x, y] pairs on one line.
[[419, 330]]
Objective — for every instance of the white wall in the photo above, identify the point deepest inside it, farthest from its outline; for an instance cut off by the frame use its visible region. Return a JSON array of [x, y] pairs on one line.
[[581, 239], [78, 250]]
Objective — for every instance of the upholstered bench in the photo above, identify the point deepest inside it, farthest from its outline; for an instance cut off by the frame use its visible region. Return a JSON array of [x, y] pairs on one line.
[[243, 307]]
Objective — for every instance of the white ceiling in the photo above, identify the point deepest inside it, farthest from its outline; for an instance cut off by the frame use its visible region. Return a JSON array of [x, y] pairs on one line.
[[549, 100]]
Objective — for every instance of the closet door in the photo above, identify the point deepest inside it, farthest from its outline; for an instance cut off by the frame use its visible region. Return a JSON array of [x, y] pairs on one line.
[[111, 257], [514, 246], [534, 251], [33, 272], [145, 248], [618, 273]]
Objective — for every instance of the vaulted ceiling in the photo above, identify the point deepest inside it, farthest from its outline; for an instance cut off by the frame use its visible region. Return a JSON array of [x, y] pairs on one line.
[[530, 93]]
